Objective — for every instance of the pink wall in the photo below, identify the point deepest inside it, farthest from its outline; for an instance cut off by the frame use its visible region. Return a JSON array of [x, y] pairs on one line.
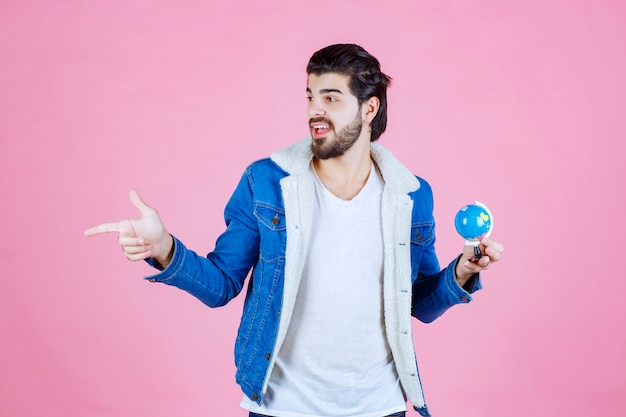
[[517, 104]]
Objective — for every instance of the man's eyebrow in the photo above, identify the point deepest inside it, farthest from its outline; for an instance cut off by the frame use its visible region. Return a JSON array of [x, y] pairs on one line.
[[326, 90]]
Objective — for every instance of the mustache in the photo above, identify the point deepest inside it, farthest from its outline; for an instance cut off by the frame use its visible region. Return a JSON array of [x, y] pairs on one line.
[[321, 120]]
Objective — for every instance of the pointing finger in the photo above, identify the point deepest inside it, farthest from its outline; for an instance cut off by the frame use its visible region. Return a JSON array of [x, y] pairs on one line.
[[103, 228]]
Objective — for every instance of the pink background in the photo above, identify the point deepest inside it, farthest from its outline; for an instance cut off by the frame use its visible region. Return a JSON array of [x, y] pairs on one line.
[[519, 104]]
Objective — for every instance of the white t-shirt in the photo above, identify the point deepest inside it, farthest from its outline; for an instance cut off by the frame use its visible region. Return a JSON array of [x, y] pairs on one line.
[[335, 360]]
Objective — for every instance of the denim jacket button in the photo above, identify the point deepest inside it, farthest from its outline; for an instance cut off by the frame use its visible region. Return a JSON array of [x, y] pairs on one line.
[[255, 397], [267, 356]]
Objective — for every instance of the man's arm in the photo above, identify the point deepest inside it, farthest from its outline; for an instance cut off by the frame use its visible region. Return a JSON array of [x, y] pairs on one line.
[[435, 292], [214, 279]]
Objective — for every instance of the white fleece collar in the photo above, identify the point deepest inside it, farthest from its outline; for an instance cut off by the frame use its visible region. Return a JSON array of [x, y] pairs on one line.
[[297, 157]]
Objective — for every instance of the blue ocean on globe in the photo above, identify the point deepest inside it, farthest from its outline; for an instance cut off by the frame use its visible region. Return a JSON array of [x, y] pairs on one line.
[[473, 221]]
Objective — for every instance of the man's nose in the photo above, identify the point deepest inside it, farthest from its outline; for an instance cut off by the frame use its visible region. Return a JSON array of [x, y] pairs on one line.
[[315, 110]]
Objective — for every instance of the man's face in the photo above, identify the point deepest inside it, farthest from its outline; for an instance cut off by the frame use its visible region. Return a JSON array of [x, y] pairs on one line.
[[334, 114]]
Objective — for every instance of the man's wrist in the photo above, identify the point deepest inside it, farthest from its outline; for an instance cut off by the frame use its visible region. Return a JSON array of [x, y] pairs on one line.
[[461, 278], [168, 248]]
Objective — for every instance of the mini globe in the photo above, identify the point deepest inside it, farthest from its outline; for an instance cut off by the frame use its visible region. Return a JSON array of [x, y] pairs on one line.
[[473, 221]]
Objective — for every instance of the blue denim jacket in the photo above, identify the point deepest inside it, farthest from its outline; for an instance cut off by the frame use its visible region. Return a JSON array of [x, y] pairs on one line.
[[268, 219]]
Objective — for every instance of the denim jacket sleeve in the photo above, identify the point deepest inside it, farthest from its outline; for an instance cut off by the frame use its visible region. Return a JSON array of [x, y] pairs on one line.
[[435, 290], [218, 277]]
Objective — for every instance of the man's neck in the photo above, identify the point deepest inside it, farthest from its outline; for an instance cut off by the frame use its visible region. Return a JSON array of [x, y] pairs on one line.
[[346, 175]]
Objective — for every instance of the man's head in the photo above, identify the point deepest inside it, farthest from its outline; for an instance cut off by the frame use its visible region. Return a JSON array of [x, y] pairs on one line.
[[366, 78]]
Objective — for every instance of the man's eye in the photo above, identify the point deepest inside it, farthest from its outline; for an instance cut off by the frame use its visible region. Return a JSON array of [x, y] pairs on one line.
[[309, 98], [331, 99]]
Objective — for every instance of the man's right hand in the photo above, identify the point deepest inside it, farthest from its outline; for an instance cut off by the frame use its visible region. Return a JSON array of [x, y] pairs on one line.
[[140, 238]]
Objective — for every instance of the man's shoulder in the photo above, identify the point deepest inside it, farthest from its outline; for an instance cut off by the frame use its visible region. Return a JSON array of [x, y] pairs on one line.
[[294, 158], [265, 167], [424, 185], [280, 164], [395, 174]]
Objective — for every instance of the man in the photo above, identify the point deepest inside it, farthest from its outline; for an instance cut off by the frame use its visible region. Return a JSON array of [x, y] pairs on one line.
[[340, 238]]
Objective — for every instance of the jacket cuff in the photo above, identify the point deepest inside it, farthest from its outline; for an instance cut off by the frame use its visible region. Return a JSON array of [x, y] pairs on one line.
[[174, 266], [472, 285]]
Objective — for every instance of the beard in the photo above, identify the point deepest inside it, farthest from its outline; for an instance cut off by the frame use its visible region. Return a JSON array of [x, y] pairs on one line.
[[326, 148]]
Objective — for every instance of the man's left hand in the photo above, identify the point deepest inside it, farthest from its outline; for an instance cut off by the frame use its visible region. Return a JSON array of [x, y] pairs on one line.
[[466, 267]]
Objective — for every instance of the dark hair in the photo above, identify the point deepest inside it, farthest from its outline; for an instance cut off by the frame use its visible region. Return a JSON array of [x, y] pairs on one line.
[[366, 78]]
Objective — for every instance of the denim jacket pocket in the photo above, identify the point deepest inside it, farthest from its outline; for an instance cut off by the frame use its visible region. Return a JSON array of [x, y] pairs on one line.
[[272, 217], [423, 259], [422, 233], [272, 227]]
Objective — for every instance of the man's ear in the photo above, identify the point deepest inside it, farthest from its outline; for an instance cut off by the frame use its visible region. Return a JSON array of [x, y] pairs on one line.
[[369, 109]]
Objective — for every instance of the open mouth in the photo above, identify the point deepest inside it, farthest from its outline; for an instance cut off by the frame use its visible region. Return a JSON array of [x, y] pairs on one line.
[[319, 129]]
